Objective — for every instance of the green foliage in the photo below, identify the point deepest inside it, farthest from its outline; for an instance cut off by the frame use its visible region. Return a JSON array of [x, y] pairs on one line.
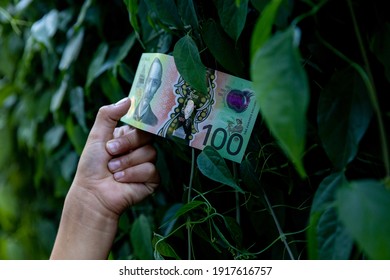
[[141, 238], [363, 208], [189, 64], [263, 28], [213, 166], [344, 114], [314, 182], [330, 239], [282, 91], [232, 15], [222, 47]]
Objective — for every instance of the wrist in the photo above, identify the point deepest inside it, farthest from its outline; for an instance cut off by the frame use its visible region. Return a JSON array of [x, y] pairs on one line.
[[87, 230], [86, 207]]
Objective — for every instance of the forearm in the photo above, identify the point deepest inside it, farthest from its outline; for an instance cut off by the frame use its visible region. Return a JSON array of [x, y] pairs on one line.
[[85, 232]]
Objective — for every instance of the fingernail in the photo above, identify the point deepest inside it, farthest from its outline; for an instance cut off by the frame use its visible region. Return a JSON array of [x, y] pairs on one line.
[[112, 146], [119, 175], [114, 165], [121, 101]]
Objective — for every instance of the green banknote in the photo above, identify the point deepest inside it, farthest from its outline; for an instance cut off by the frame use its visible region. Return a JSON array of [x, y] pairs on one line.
[[166, 105]]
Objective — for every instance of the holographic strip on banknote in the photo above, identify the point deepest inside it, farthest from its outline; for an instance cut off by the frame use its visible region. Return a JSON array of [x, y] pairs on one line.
[[164, 104]]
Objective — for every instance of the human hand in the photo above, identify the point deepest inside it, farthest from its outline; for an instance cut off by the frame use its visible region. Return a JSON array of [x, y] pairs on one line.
[[116, 165], [115, 171]]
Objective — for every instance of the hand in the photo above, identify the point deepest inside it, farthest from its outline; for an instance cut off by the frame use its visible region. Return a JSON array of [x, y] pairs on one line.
[[115, 171], [116, 165]]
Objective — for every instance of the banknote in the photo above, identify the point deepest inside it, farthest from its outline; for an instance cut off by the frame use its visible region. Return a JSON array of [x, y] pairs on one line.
[[166, 105]]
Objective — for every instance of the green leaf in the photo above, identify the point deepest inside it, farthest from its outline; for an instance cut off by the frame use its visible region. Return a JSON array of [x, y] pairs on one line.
[[8, 208], [111, 87], [213, 166], [58, 96], [364, 208], [263, 28], [169, 219], [222, 236], [49, 64], [166, 12], [234, 230], [325, 194], [76, 135], [187, 13], [123, 49], [118, 54], [282, 92], [44, 29], [95, 67], [260, 5], [160, 44], [283, 16], [232, 16], [82, 14], [163, 248], [344, 114], [72, 50], [53, 137], [77, 106], [189, 64], [222, 47], [141, 238], [132, 7], [126, 73], [11, 46], [69, 165], [187, 207], [334, 242], [329, 239]]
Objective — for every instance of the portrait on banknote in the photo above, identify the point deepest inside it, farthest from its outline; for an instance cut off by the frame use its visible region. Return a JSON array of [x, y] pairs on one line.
[[152, 82]]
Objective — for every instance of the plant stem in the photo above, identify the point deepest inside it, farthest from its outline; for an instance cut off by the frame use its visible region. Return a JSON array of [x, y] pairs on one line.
[[281, 233], [372, 93], [313, 11], [189, 238], [191, 175]]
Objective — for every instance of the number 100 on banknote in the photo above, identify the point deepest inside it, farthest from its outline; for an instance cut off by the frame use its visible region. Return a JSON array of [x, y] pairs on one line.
[[166, 105]]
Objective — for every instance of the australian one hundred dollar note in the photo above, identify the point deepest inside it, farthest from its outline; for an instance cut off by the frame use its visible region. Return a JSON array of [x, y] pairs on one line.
[[164, 104]]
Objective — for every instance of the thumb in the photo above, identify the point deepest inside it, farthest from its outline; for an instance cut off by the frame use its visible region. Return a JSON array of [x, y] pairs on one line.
[[107, 119]]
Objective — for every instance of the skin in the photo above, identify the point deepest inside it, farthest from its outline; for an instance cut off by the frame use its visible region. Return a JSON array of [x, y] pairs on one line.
[[116, 170]]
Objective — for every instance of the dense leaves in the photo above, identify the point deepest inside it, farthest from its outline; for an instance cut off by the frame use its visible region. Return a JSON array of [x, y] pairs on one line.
[[314, 182]]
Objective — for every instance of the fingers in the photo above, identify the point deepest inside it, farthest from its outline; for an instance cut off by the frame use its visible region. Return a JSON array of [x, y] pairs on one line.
[[107, 119], [143, 154], [122, 130], [145, 180], [145, 173], [127, 139]]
